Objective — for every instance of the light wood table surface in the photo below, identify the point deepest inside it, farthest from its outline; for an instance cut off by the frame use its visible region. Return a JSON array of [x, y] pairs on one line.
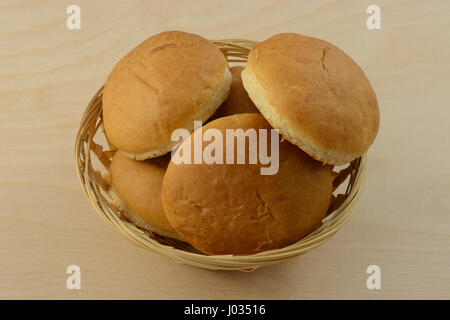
[[49, 73]]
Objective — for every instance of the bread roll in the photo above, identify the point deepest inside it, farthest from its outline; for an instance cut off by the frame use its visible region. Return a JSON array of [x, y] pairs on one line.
[[315, 95], [165, 83], [238, 101], [233, 209], [136, 191]]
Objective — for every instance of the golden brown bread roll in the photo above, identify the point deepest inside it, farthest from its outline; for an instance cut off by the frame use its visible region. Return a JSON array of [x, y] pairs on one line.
[[238, 101], [165, 83], [136, 191], [314, 94], [233, 209]]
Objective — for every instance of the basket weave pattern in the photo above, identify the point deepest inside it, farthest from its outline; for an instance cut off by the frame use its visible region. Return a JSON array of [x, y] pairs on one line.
[[92, 158]]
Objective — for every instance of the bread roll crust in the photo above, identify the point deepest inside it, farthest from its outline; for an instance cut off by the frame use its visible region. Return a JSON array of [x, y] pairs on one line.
[[315, 94], [165, 83], [233, 209], [238, 100], [136, 191]]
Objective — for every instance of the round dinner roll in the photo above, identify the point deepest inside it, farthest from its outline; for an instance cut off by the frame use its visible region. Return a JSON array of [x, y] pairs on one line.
[[136, 191], [315, 95], [232, 208], [238, 101], [165, 83]]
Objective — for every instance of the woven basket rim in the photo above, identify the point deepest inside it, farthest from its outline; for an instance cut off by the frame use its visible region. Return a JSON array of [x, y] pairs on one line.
[[236, 51]]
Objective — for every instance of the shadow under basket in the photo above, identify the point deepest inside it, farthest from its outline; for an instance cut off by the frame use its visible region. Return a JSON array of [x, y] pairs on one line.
[[93, 155]]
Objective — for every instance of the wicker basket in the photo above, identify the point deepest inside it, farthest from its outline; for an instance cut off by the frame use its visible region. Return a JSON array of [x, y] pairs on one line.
[[93, 158]]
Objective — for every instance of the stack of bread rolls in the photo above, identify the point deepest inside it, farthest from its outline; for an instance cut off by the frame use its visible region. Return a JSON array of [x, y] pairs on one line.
[[310, 91]]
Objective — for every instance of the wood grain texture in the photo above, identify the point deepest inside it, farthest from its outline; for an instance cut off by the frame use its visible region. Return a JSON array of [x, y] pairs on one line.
[[49, 73]]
